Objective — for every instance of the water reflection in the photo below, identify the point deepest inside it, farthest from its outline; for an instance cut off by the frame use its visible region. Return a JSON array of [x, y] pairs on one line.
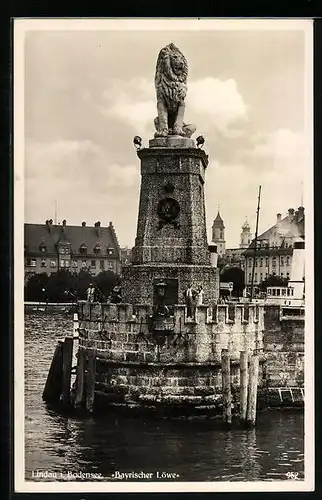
[[196, 451]]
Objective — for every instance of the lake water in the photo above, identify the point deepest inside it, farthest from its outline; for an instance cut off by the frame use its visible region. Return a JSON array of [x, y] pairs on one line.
[[105, 447]]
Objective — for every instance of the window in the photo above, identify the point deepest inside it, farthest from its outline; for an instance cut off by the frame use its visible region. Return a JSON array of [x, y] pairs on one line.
[[282, 274], [256, 262], [110, 251], [32, 262], [282, 261], [287, 275], [274, 291], [42, 247], [62, 263], [255, 278], [75, 263], [261, 276], [102, 266], [221, 235], [266, 275], [61, 250], [261, 261], [97, 249], [274, 274], [266, 261], [67, 263], [274, 261], [268, 291], [43, 263], [110, 264], [278, 292], [53, 263], [287, 261], [93, 263], [84, 264], [83, 248], [250, 277], [283, 291]]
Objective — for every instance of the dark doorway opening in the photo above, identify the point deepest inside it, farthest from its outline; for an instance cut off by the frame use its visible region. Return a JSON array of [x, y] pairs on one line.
[[171, 293]]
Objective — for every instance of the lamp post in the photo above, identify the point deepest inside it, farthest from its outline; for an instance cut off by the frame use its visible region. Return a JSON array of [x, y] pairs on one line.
[[44, 297], [160, 288], [159, 324]]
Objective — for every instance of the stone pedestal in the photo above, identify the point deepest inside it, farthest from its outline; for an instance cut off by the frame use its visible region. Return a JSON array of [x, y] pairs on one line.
[[171, 241]]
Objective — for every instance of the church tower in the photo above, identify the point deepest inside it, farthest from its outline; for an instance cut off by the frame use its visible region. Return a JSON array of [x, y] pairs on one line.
[[218, 235], [245, 235]]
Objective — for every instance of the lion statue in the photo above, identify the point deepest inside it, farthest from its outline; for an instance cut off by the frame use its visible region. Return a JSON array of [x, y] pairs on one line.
[[171, 89]]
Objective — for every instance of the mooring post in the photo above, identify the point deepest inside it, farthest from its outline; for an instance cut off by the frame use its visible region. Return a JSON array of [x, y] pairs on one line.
[[226, 387], [243, 385], [252, 389], [67, 368], [53, 386], [75, 349], [80, 371], [90, 379]]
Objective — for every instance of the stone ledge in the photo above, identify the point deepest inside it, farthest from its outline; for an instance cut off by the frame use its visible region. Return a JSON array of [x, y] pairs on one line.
[[172, 141]]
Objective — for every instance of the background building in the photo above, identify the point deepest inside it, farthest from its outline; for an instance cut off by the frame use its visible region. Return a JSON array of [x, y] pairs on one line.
[[245, 236], [218, 235], [234, 257], [126, 256], [50, 247], [275, 248]]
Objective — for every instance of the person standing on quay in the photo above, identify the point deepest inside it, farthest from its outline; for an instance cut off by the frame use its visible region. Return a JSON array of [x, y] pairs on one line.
[[90, 293], [200, 296], [190, 298]]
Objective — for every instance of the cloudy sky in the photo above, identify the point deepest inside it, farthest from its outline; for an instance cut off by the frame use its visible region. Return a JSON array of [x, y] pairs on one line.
[[87, 93]]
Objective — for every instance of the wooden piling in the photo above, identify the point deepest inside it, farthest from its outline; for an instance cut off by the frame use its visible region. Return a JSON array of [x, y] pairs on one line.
[[90, 379], [67, 367], [226, 386], [54, 382], [252, 390], [243, 385], [75, 349], [80, 372]]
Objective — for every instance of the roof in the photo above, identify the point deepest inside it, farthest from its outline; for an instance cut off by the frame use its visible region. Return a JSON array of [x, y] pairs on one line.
[[246, 226], [218, 222], [51, 235], [292, 226]]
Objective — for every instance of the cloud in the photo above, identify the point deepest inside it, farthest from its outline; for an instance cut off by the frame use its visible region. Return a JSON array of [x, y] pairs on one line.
[[80, 171], [219, 100]]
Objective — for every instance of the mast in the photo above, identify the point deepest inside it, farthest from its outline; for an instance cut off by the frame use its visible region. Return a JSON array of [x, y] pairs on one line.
[[255, 243], [55, 211]]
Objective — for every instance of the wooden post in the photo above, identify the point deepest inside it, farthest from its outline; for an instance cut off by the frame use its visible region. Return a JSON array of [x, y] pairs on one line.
[[79, 396], [53, 387], [75, 349], [252, 389], [226, 387], [90, 379], [243, 385], [67, 367]]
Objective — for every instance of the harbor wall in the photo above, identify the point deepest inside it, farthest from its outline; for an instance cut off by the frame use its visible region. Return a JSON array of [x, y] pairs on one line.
[[283, 346], [134, 368]]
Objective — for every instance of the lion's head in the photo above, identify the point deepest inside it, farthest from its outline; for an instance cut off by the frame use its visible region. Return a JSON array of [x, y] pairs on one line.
[[171, 75]]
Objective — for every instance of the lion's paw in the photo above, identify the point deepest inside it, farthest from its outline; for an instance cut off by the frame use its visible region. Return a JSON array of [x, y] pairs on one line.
[[178, 131], [162, 133]]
